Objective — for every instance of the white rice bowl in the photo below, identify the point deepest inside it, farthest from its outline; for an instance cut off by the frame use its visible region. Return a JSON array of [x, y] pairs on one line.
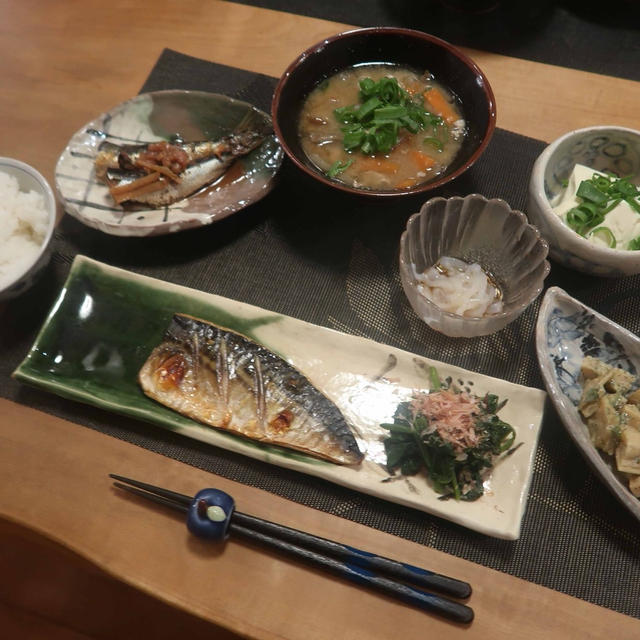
[[23, 227], [27, 212]]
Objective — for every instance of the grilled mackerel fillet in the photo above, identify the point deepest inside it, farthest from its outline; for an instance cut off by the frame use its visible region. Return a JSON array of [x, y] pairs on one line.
[[225, 380]]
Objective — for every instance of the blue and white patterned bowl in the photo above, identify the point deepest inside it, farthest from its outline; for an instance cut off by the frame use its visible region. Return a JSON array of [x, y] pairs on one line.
[[604, 148], [566, 332]]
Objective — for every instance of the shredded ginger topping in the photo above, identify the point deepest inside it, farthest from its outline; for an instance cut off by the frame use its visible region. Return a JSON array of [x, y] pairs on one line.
[[452, 415], [167, 155]]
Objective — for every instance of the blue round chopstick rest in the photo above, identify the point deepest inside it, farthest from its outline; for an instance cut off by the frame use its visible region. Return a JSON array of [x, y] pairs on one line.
[[210, 514]]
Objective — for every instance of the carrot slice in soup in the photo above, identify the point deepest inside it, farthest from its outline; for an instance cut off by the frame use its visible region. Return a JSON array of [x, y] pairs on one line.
[[405, 184], [422, 160], [380, 165], [440, 105]]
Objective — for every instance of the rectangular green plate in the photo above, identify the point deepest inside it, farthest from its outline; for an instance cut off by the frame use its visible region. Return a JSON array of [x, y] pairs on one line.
[[106, 321]]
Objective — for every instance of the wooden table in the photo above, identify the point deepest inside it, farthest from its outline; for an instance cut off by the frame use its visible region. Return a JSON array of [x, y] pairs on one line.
[[78, 560]]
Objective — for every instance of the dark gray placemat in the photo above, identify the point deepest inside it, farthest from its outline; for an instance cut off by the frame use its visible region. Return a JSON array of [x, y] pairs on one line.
[[591, 36], [331, 259]]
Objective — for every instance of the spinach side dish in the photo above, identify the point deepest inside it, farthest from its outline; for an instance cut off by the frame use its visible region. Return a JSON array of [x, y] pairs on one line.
[[452, 435]]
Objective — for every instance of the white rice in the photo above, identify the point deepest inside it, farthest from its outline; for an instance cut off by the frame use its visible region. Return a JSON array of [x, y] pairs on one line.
[[23, 227], [460, 288]]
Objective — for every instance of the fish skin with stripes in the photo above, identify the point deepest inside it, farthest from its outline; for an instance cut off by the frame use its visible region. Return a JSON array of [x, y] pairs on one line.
[[225, 380]]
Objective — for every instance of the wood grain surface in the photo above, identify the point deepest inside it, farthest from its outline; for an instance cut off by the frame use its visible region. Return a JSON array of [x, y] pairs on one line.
[[66, 63], [63, 64], [64, 495]]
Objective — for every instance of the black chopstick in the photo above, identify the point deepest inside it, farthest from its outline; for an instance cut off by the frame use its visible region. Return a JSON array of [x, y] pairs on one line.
[[158, 499], [402, 571], [347, 562], [405, 572], [430, 602], [152, 489]]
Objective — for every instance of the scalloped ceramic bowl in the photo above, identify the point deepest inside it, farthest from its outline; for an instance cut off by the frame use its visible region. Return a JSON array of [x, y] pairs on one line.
[[604, 148], [29, 180], [474, 229], [406, 47]]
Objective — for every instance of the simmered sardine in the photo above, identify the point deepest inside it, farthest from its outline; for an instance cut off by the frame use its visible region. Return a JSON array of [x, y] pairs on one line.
[[161, 173], [225, 380]]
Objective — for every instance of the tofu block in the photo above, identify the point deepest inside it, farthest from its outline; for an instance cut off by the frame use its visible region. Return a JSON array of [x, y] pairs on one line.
[[592, 391], [628, 452], [593, 368], [631, 416], [620, 381], [634, 397], [604, 425]]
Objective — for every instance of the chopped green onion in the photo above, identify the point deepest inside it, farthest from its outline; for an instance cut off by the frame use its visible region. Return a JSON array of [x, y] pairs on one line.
[[633, 203], [604, 233], [584, 217], [370, 106], [626, 189], [385, 107], [338, 167], [612, 205], [367, 87], [434, 142], [390, 112], [353, 139], [367, 146], [634, 245], [385, 137], [600, 194], [435, 379], [588, 191], [410, 124], [600, 182]]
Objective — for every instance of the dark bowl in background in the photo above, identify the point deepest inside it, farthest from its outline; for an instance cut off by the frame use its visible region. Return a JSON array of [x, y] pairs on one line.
[[407, 47]]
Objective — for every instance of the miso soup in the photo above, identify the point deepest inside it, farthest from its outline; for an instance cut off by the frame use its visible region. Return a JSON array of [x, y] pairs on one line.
[[381, 127]]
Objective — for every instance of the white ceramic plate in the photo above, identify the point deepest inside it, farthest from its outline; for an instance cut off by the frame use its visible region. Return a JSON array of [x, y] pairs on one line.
[[566, 332], [149, 117], [106, 321]]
